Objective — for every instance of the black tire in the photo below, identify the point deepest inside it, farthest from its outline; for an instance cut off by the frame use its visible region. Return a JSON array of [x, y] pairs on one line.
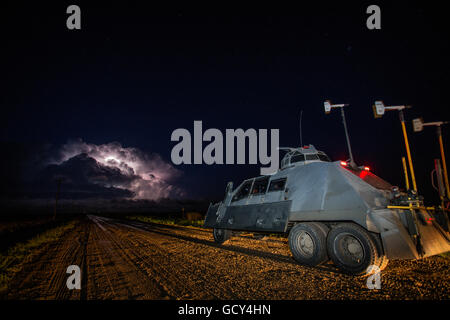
[[221, 235], [307, 242], [352, 249], [325, 229], [322, 227]]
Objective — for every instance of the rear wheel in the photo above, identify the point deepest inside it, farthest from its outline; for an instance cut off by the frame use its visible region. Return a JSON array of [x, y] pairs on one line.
[[352, 249], [325, 229], [307, 242], [221, 235]]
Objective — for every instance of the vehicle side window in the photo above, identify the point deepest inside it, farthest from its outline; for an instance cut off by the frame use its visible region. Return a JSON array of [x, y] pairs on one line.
[[243, 191], [277, 185], [311, 157], [260, 185], [324, 157], [297, 158]]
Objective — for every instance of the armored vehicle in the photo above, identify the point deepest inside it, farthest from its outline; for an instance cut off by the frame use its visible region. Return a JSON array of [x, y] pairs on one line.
[[331, 210]]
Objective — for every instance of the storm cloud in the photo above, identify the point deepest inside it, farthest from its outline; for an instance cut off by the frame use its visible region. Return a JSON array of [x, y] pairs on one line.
[[112, 170]]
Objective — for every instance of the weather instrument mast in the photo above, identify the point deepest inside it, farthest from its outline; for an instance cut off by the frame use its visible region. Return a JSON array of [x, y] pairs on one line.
[[379, 109], [418, 125], [328, 106]]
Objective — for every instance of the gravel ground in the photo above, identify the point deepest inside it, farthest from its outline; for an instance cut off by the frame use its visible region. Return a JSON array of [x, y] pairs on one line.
[[134, 260]]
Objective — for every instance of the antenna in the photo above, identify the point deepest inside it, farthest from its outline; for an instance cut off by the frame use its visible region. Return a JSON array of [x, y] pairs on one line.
[[301, 138], [328, 106]]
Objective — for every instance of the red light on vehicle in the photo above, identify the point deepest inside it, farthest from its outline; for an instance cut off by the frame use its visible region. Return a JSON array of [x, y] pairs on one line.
[[367, 168], [305, 147], [343, 163], [363, 174]]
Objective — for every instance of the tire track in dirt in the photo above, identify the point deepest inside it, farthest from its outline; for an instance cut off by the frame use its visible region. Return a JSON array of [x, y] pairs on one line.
[[159, 268], [124, 279], [97, 266], [192, 277], [43, 276], [147, 258]]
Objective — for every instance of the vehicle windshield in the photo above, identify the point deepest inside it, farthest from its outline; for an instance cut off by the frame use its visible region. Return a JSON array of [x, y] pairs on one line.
[[302, 155]]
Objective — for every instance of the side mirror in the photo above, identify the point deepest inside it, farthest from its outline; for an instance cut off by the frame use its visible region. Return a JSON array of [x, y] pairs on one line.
[[229, 187], [327, 105], [417, 124]]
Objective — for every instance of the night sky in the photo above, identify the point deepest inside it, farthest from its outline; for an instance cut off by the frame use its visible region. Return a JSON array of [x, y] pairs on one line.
[[135, 73]]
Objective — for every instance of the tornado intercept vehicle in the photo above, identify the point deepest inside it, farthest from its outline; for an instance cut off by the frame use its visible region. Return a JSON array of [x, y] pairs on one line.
[[330, 210]]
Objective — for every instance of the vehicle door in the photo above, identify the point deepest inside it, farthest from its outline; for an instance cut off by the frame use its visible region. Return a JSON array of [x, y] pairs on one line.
[[258, 191], [257, 214]]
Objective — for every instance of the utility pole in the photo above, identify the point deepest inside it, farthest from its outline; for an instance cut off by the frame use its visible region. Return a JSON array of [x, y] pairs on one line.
[[58, 186]]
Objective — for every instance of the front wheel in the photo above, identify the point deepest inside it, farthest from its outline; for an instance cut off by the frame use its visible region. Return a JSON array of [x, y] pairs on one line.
[[307, 242], [352, 249], [221, 235]]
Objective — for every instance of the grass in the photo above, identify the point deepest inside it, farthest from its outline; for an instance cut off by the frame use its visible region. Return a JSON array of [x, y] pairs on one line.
[[12, 260], [168, 220]]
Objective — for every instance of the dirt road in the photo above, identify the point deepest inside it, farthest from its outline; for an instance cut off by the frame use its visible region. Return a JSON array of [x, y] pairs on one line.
[[133, 260]]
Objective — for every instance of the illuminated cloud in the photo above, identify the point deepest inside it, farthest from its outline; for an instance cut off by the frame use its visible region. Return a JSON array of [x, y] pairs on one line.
[[146, 176]]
